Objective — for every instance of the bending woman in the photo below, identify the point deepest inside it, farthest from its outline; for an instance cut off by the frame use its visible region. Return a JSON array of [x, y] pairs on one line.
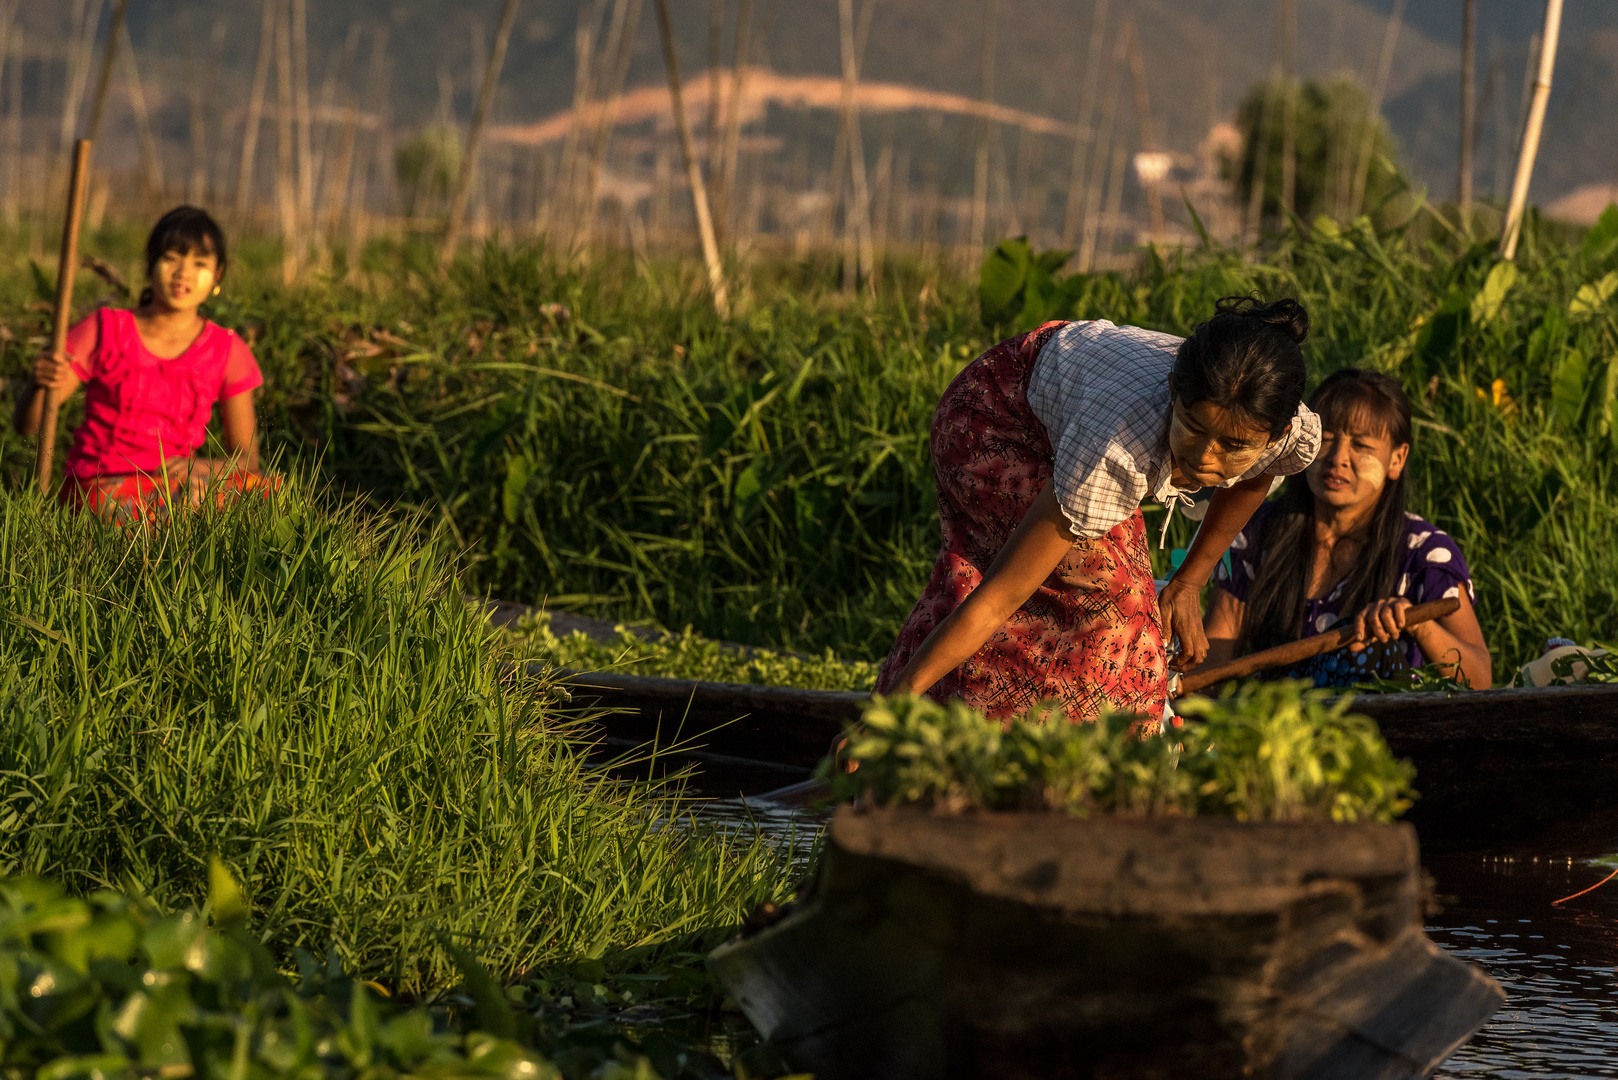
[[1338, 544], [1044, 448]]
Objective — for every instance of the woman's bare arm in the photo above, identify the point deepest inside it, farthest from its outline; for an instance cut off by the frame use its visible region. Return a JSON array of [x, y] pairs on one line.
[[1030, 555], [1223, 626], [1180, 603], [240, 422], [1454, 641]]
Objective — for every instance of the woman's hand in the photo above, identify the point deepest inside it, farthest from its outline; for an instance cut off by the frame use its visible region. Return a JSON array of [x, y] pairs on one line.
[[52, 372], [1180, 613], [1381, 621]]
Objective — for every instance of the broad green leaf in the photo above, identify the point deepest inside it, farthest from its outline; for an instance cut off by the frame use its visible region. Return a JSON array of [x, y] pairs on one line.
[[225, 896], [1487, 301], [1602, 238], [1570, 385], [512, 491], [1002, 279], [1592, 297]]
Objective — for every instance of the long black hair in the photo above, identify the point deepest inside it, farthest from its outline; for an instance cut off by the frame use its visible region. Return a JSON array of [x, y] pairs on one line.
[[1247, 359], [184, 229], [1352, 399]]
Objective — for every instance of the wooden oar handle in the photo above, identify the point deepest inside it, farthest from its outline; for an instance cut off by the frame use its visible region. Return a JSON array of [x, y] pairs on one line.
[[67, 267], [1302, 649]]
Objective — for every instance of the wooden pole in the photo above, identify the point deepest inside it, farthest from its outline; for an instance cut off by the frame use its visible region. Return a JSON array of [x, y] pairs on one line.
[[80, 47], [1531, 130], [716, 48], [255, 110], [1148, 143], [1289, 106], [1373, 112], [693, 168], [1469, 124], [463, 184], [1294, 652], [197, 131], [857, 218], [1084, 139], [104, 78], [151, 156], [305, 137], [725, 200], [1095, 186], [286, 192], [615, 60], [66, 266], [980, 170], [12, 207]]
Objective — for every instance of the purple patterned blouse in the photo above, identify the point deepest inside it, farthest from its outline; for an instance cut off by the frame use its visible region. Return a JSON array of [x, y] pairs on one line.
[[1433, 568]]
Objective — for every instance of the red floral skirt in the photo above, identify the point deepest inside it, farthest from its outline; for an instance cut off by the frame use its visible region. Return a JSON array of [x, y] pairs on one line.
[[1088, 638]]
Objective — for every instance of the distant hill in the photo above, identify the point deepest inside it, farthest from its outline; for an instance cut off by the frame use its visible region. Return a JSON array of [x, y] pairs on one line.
[[1200, 56]]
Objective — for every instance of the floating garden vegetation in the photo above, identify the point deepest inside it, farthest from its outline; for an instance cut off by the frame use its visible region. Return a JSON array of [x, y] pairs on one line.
[[1265, 752], [689, 655], [302, 693], [594, 438]]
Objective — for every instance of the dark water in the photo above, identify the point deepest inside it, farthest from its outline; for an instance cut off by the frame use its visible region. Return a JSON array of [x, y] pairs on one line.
[[1558, 964]]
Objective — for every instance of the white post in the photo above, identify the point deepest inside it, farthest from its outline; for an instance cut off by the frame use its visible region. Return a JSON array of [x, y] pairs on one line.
[[1531, 130]]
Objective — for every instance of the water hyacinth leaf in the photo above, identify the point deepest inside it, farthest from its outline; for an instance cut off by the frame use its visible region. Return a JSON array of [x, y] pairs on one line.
[[1602, 239], [1002, 281], [1488, 300], [515, 487], [1592, 297]]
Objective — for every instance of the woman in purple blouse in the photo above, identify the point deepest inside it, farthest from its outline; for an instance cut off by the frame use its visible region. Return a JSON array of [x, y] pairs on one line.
[[1338, 546]]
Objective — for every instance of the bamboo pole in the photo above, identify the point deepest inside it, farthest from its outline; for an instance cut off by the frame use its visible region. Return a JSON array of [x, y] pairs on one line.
[[1084, 139], [731, 153], [856, 219], [716, 48], [304, 121], [980, 169], [1253, 226], [286, 192], [463, 184], [1148, 143], [197, 128], [1289, 106], [1469, 126], [1373, 112], [1115, 200], [104, 78], [566, 187], [693, 169], [1532, 129], [1094, 188], [65, 268], [255, 109], [619, 49], [81, 45], [151, 156], [12, 208]]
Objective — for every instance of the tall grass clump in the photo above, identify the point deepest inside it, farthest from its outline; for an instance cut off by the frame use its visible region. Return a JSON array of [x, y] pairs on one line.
[[595, 438], [302, 692], [1266, 752]]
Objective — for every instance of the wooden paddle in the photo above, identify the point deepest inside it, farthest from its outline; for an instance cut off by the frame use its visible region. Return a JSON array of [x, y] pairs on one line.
[[1295, 651], [64, 303], [810, 791]]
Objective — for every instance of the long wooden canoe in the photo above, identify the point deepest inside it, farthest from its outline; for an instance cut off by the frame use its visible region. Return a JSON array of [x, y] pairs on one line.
[[1490, 764], [936, 946]]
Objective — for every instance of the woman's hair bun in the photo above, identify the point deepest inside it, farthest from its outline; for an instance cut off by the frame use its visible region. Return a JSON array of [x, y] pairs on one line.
[[1286, 315]]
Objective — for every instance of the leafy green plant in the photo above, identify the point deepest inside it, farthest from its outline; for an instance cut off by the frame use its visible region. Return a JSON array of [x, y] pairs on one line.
[[300, 689], [1019, 289], [689, 655], [1263, 752]]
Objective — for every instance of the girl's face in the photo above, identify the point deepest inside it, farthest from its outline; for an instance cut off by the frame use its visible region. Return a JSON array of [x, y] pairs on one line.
[[1353, 466], [1209, 445], [182, 280]]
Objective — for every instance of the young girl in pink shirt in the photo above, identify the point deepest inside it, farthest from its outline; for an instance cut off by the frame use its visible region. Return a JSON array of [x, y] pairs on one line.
[[151, 378]]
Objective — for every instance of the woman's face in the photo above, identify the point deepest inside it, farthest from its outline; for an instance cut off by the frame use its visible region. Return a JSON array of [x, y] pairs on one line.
[[1353, 467], [182, 280], [1209, 445]]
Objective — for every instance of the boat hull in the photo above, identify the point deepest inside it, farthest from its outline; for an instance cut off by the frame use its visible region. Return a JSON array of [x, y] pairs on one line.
[[1011, 945]]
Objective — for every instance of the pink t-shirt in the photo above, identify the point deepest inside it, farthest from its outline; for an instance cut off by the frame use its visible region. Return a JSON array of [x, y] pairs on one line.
[[139, 409]]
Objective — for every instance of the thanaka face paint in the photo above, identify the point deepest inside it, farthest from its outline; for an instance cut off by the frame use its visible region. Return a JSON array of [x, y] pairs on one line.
[[1209, 445], [1353, 467], [182, 281]]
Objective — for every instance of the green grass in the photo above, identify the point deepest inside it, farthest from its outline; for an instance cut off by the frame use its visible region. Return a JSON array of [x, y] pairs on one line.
[[592, 437], [302, 692]]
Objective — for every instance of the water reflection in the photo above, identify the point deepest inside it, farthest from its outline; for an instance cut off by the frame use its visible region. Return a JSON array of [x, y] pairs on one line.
[[1559, 965]]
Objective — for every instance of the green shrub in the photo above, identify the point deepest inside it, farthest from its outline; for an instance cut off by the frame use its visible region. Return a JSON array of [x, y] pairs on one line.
[[1265, 752]]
